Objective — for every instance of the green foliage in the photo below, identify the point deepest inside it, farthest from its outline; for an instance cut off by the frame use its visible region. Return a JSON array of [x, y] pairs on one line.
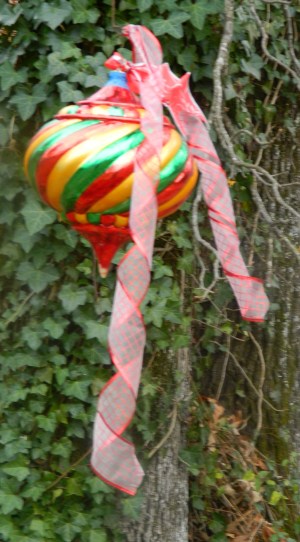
[[235, 492]]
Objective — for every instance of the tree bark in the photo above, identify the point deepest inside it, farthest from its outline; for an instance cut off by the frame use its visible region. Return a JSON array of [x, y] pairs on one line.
[[279, 339], [164, 511]]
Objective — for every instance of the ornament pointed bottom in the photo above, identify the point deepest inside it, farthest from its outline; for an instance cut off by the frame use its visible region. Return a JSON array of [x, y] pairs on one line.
[[105, 240]]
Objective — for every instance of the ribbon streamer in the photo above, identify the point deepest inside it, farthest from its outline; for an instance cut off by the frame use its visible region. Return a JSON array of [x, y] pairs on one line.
[[113, 457]]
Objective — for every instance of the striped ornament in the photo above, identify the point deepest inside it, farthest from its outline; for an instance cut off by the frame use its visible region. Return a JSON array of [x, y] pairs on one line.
[[82, 165]]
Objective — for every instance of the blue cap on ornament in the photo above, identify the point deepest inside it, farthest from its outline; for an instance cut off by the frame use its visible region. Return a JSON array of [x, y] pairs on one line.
[[117, 79]]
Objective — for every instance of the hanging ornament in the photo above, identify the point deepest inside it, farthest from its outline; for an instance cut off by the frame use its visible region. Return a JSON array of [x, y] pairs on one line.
[[111, 165], [82, 164]]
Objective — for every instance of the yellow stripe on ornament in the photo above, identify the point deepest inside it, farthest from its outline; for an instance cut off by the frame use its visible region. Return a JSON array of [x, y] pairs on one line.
[[121, 221], [71, 161], [46, 133], [123, 190], [183, 194]]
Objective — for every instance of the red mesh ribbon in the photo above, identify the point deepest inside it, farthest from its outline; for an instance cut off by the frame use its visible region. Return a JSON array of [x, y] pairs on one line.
[[113, 457], [249, 291]]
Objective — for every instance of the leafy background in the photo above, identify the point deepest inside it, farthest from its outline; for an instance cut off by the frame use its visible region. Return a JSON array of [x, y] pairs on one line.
[[55, 308]]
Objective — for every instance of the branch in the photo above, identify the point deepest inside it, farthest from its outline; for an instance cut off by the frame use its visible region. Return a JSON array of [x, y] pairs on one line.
[[221, 64], [277, 2], [290, 34], [168, 433], [198, 237], [224, 369], [16, 314], [69, 469], [264, 42], [260, 385], [245, 375]]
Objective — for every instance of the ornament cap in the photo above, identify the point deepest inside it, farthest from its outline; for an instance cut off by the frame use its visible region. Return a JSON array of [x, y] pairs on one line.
[[117, 79]]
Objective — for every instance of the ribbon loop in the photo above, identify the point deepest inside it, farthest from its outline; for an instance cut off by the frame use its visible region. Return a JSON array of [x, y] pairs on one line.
[[191, 122]]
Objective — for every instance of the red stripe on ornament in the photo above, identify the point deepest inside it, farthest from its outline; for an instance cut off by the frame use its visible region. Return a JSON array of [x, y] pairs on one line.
[[178, 183], [112, 177], [171, 210], [52, 155], [47, 126]]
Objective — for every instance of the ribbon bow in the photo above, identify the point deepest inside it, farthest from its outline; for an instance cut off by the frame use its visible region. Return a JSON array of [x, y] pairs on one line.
[[113, 457]]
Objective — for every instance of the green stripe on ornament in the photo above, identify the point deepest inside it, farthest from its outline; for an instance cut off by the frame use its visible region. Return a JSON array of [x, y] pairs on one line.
[[116, 111], [94, 166], [52, 140], [44, 128], [173, 168], [71, 110], [47, 125], [93, 218], [167, 175]]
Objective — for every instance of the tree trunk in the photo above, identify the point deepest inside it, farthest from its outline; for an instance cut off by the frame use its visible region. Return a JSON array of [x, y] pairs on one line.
[[279, 338], [281, 343], [164, 512]]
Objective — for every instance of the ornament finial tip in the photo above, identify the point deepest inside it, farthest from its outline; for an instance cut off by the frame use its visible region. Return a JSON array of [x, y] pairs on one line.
[[103, 271]]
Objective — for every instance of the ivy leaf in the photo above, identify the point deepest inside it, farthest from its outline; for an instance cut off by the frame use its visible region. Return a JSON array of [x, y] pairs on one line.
[[198, 14], [10, 15], [97, 535], [56, 65], [17, 469], [155, 314], [32, 337], [144, 5], [162, 271], [16, 361], [7, 528], [83, 14], [200, 10], [40, 527], [68, 93], [54, 327], [10, 77], [253, 66], [132, 506], [62, 448], [171, 26], [159, 26], [188, 58], [20, 236], [26, 104], [73, 487], [34, 492], [68, 50], [92, 81], [276, 496], [37, 279], [10, 502], [37, 216], [53, 16], [95, 330], [179, 17], [64, 233], [68, 531], [61, 375], [78, 389], [193, 456], [47, 423], [71, 297]]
